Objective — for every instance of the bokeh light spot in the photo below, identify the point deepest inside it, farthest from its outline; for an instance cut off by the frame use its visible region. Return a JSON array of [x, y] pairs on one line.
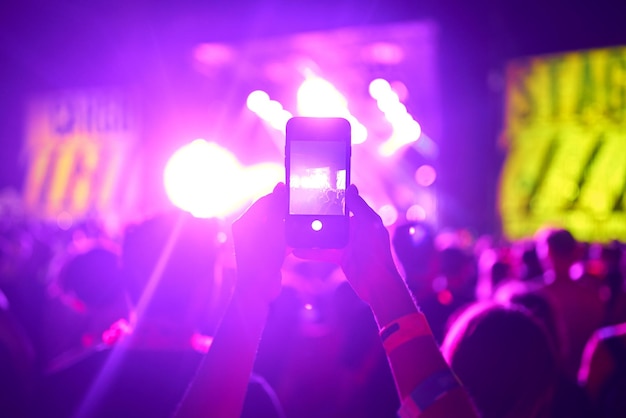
[[65, 221], [415, 213], [425, 175], [389, 215]]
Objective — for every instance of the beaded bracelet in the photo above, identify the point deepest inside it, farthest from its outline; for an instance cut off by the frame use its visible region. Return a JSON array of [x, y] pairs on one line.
[[435, 387], [404, 329]]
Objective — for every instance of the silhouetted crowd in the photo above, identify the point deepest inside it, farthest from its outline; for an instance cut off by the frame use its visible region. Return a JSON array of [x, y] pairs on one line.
[[533, 328]]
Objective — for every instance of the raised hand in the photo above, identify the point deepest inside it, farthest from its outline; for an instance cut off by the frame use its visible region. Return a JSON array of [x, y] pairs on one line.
[[259, 238]]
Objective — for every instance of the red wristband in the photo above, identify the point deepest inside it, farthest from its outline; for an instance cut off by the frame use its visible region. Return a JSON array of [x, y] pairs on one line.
[[404, 329]]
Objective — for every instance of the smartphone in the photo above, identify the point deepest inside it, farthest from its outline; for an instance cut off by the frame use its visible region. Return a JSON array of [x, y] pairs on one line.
[[317, 172]]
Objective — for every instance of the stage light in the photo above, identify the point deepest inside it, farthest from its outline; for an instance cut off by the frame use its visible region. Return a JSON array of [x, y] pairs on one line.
[[405, 129], [319, 98], [359, 131], [415, 213], [425, 175], [410, 130], [396, 112], [378, 87], [260, 179], [204, 179], [257, 100], [387, 100], [389, 215], [271, 111]]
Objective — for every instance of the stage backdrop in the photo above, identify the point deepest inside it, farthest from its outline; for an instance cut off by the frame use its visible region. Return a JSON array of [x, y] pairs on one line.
[[566, 145], [93, 153], [80, 156]]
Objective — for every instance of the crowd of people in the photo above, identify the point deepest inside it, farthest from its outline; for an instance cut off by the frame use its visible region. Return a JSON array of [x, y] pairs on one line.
[[176, 317]]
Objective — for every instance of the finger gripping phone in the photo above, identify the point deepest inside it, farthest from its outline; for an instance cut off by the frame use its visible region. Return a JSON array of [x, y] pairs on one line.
[[317, 168]]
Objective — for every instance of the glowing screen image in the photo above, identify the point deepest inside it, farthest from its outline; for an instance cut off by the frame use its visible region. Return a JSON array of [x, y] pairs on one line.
[[317, 178]]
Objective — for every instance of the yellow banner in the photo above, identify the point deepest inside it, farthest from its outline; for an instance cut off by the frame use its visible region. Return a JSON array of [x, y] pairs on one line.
[[566, 145], [78, 147]]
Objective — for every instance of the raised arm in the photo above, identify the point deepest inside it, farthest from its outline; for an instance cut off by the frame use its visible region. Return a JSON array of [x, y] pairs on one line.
[[222, 380], [424, 381]]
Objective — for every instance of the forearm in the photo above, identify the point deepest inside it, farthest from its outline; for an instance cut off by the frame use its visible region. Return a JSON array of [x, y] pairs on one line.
[[220, 386], [416, 360]]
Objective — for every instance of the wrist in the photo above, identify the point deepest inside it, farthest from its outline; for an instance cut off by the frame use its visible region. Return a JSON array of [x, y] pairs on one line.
[[392, 301]]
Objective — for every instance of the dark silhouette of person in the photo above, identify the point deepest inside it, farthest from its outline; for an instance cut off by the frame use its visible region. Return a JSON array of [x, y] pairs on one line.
[[576, 302], [603, 371], [169, 265], [505, 359]]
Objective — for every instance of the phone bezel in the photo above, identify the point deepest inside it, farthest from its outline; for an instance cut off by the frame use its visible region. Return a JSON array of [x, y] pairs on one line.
[[335, 230]]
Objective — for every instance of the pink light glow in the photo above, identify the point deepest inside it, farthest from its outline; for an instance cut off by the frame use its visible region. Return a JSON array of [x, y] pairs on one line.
[[214, 53], [401, 90], [384, 53], [267, 109], [389, 215], [425, 175], [416, 213]]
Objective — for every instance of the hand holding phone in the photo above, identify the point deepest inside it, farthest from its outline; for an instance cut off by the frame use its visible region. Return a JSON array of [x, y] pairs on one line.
[[317, 168]]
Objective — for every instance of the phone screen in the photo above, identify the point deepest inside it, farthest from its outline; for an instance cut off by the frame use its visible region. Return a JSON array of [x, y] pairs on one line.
[[318, 171], [317, 178]]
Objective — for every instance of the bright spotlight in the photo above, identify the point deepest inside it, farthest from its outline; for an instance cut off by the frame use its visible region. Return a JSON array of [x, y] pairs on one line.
[[204, 179], [319, 98], [378, 88], [271, 111], [257, 100], [260, 179]]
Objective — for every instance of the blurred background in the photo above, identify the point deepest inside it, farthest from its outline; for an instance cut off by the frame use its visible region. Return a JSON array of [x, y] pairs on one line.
[[95, 98], [474, 125]]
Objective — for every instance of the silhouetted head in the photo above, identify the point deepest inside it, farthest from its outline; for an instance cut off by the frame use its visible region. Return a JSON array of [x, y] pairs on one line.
[[93, 276], [531, 265], [557, 248], [504, 358]]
